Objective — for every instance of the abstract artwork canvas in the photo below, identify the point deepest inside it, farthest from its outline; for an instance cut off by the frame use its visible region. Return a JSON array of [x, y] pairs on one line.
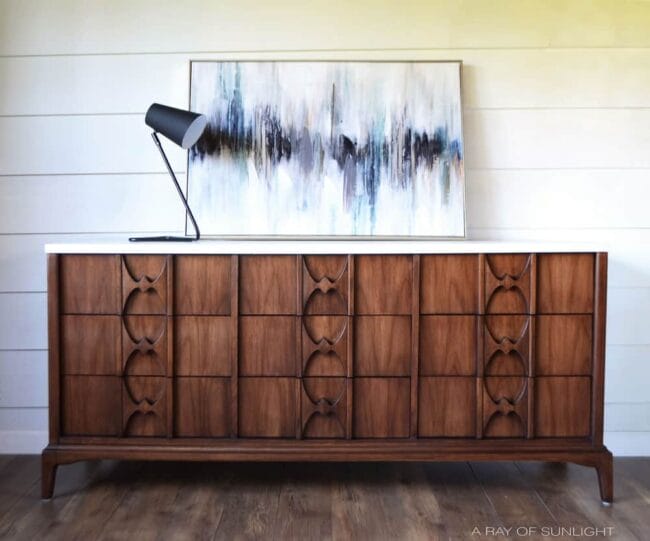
[[350, 149]]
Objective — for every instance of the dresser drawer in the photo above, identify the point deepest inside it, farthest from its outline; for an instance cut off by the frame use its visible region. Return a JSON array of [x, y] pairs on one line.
[[563, 345], [447, 407], [268, 407], [448, 345], [565, 283], [90, 284], [381, 407], [383, 284], [91, 406], [449, 284], [268, 284], [562, 407], [202, 346], [382, 346], [91, 345], [268, 345], [202, 407], [202, 285]]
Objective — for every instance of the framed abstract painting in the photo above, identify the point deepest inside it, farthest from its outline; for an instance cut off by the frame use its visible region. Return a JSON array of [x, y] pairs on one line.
[[328, 149]]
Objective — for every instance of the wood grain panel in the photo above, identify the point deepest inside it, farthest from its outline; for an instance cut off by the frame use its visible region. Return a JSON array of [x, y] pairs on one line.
[[383, 284], [202, 407], [449, 284], [325, 345], [268, 346], [447, 407], [91, 345], [267, 284], [381, 407], [505, 407], [563, 345], [202, 285], [562, 406], [325, 284], [382, 345], [144, 406], [507, 345], [144, 284], [90, 284], [202, 346], [324, 407], [565, 283], [508, 284], [268, 407], [448, 345], [91, 405], [144, 345]]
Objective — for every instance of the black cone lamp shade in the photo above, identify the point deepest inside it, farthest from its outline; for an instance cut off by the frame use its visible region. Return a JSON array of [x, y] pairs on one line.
[[183, 128]]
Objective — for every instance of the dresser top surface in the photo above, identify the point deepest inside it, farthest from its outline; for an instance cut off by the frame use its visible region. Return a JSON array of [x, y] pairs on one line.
[[208, 246]]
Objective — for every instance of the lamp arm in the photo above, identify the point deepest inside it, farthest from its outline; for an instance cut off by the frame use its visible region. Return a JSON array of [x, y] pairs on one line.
[[154, 135]]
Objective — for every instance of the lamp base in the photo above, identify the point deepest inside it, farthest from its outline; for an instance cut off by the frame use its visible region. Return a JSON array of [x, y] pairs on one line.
[[164, 238]]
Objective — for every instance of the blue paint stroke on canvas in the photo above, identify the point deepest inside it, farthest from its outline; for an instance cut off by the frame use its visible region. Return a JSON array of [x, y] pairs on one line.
[[328, 148]]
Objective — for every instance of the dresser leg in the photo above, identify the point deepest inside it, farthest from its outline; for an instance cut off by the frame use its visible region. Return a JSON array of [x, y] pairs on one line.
[[48, 474], [605, 471]]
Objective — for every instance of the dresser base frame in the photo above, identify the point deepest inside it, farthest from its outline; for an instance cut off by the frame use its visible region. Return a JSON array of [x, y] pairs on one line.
[[258, 450]]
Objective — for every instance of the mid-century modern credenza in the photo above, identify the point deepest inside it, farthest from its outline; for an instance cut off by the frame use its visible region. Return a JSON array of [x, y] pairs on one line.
[[323, 351]]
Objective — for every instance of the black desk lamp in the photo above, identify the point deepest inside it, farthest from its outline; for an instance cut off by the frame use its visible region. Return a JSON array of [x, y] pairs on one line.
[[183, 128]]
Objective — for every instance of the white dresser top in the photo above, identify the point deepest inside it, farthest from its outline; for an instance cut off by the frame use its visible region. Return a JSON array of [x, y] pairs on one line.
[[208, 246]]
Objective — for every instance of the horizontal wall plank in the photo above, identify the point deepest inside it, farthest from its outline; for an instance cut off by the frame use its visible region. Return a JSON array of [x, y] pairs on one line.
[[560, 198], [23, 321], [22, 442], [495, 139], [551, 78], [628, 443], [70, 26], [627, 316], [27, 419], [97, 203], [23, 379], [86, 84], [627, 417], [504, 198], [23, 264], [627, 373], [80, 145], [530, 139], [545, 78]]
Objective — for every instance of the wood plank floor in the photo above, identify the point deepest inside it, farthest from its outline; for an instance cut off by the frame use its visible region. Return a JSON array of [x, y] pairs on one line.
[[142, 501]]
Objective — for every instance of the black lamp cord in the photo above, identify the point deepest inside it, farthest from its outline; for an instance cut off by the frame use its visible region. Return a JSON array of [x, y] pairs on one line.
[[154, 135]]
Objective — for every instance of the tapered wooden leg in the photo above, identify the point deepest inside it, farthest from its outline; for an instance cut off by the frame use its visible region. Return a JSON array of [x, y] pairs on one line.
[[48, 474], [605, 470]]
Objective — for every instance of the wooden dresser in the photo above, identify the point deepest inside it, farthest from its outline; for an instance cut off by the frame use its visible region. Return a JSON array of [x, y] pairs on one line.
[[253, 351]]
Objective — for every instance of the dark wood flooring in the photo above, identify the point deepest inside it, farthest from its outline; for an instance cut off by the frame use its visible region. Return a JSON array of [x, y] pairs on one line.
[[142, 501]]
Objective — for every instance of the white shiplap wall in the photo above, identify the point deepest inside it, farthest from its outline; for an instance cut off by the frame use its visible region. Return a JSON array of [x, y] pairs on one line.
[[557, 125]]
